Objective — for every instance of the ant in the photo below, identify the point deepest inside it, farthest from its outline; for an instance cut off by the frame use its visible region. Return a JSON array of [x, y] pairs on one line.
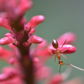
[[59, 54]]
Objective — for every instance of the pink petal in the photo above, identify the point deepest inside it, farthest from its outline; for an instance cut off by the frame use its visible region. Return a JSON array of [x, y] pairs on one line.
[[71, 37]]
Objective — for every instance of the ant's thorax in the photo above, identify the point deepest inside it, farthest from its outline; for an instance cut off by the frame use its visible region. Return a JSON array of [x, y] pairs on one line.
[[58, 54]]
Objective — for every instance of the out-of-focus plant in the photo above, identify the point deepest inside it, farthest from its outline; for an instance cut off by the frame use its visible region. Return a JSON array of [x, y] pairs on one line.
[[28, 64]]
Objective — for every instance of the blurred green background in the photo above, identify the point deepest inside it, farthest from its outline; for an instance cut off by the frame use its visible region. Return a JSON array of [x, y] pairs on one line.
[[61, 16]]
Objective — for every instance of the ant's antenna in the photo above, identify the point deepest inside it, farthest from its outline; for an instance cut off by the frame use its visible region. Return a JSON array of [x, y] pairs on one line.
[[67, 72], [64, 43], [60, 69], [77, 67], [74, 66]]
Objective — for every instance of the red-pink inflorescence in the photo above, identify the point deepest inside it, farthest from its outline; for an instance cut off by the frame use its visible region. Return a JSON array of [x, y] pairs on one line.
[[28, 64]]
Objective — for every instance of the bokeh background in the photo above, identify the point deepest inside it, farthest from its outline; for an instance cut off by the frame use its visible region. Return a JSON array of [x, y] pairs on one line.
[[61, 16]]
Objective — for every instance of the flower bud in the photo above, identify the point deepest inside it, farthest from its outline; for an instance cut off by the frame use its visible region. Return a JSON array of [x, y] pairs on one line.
[[27, 28], [24, 5], [12, 61], [32, 31], [25, 43], [35, 39], [6, 40], [68, 49], [8, 34], [3, 77], [4, 23], [36, 20]]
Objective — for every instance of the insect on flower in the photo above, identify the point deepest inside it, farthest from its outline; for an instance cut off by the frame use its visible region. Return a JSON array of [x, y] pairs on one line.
[[58, 53]]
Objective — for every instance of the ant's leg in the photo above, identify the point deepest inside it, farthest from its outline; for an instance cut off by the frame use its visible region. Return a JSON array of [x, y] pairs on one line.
[[60, 69], [63, 56], [74, 66], [55, 57], [63, 44], [67, 72], [64, 50], [50, 52]]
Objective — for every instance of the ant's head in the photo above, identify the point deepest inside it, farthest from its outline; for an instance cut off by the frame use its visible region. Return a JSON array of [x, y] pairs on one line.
[[55, 43]]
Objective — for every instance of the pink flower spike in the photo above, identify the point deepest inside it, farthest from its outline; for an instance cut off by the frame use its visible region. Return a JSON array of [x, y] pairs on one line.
[[36, 20], [6, 40], [68, 49], [35, 39], [71, 37]]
